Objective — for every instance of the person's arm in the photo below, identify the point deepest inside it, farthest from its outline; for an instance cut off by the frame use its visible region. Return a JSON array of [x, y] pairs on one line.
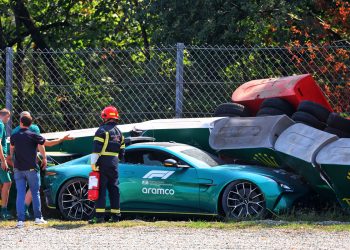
[[42, 151], [57, 141], [98, 142], [9, 161], [3, 159], [12, 151], [122, 150], [94, 158], [2, 156]]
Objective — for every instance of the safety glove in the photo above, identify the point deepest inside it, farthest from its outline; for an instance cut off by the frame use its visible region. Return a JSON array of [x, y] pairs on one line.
[[95, 168]]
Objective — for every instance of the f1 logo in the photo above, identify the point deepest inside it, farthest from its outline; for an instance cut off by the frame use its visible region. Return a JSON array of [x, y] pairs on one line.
[[158, 174]]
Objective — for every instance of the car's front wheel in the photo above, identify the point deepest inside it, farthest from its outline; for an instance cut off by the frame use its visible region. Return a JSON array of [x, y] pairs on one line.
[[243, 199], [73, 201]]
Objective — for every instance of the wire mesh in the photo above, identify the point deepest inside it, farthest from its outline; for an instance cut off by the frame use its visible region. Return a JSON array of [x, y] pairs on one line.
[[66, 89]]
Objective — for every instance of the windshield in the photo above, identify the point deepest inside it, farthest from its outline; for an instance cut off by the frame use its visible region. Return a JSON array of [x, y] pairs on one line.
[[203, 156]]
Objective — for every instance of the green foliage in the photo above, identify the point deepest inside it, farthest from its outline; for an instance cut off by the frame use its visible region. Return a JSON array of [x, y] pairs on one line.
[[122, 34]]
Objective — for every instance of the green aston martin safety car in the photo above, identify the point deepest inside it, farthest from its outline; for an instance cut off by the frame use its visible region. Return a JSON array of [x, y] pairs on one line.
[[172, 178]]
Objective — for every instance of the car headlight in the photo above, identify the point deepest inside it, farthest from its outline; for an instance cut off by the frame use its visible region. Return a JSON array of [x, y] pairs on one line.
[[50, 173], [286, 187]]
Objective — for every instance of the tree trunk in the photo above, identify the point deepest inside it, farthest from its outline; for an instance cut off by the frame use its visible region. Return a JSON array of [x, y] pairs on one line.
[[24, 17], [22, 12]]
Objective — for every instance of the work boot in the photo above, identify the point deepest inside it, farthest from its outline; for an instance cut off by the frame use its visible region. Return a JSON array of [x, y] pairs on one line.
[[6, 216], [96, 220], [114, 218]]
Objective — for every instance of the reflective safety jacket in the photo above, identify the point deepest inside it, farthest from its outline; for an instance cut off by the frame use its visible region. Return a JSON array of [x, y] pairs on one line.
[[108, 144]]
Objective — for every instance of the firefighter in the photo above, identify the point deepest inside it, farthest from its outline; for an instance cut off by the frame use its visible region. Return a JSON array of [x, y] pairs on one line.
[[108, 148]]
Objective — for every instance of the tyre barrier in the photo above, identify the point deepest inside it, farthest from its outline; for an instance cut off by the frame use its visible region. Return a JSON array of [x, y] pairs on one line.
[[249, 138], [338, 132], [298, 144], [231, 110], [278, 104], [308, 119], [269, 111], [315, 109], [338, 122]]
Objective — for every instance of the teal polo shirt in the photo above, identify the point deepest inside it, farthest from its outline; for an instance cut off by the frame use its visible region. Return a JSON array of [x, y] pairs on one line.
[[3, 138], [34, 128]]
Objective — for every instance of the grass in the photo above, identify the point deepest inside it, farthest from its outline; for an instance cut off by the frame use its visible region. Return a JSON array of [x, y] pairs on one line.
[[231, 225], [332, 219]]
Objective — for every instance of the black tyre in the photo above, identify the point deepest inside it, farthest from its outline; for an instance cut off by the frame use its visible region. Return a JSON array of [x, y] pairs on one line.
[[270, 111], [338, 122], [317, 110], [337, 132], [73, 202], [243, 199], [278, 103], [308, 119], [231, 110]]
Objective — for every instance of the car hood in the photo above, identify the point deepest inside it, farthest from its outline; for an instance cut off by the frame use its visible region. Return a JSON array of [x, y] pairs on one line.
[[277, 174]]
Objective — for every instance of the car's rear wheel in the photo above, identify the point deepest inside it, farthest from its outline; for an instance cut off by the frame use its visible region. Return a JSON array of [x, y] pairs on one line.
[[73, 201], [243, 199]]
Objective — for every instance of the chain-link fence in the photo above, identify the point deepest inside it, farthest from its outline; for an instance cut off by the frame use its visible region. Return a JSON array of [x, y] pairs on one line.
[[66, 89], [2, 78]]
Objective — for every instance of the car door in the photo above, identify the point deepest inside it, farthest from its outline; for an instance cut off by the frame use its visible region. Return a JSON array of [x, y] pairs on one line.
[[147, 185]]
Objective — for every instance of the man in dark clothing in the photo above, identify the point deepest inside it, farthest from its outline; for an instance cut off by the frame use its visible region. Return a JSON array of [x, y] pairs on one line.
[[109, 146], [25, 144], [34, 128]]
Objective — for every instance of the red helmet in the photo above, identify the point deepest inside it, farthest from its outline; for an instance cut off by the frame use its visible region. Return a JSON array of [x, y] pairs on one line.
[[110, 112]]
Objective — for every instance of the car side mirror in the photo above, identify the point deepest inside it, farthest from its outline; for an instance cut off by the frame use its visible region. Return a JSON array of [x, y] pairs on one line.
[[170, 163]]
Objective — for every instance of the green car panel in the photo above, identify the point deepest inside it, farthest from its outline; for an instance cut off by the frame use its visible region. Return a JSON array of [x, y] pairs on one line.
[[191, 188], [298, 147], [335, 162], [82, 144], [312, 176], [192, 131]]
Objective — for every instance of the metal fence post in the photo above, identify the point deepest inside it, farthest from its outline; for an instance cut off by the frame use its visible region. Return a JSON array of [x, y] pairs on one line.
[[9, 81], [179, 79]]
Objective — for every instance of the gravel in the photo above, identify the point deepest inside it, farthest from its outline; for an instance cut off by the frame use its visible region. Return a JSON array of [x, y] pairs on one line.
[[140, 237]]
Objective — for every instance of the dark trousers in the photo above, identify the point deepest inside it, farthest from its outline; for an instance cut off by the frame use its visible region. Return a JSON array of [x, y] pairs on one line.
[[108, 181]]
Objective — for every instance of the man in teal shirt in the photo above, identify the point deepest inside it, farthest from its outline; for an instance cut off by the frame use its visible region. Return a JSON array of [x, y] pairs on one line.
[[5, 178], [34, 128]]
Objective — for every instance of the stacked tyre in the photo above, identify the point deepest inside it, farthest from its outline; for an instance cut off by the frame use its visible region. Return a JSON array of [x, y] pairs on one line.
[[338, 125], [311, 114], [231, 110], [308, 113], [275, 106]]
